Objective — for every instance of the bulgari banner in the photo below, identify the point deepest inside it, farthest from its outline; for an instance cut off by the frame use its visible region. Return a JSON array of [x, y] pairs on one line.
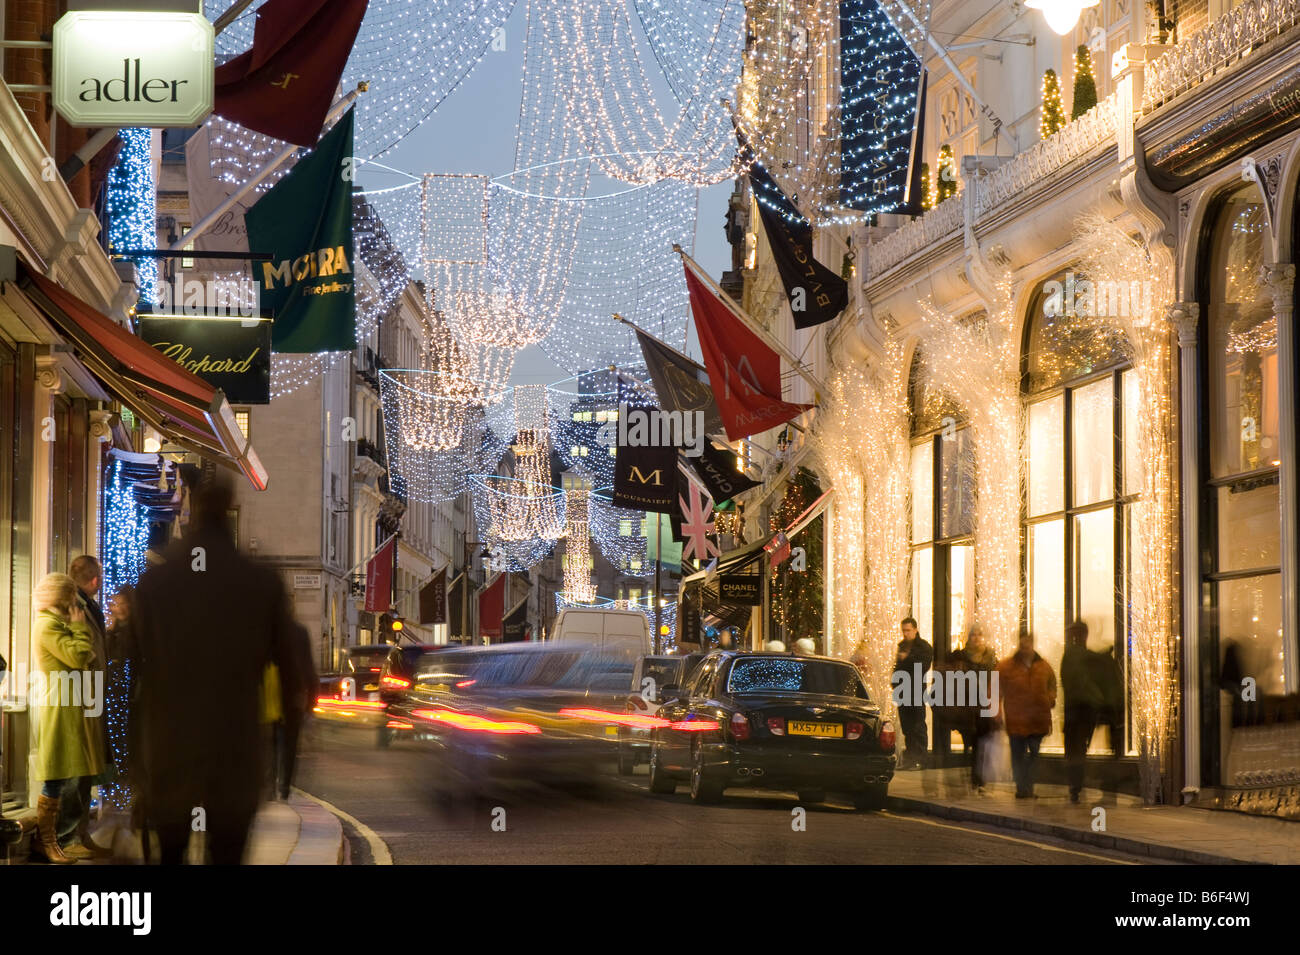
[[228, 353], [133, 68]]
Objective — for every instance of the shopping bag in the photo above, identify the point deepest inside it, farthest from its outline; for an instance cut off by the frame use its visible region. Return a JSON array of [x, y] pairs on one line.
[[995, 758]]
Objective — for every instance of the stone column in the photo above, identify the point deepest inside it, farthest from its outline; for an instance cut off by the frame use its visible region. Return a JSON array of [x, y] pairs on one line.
[[1183, 316], [1279, 279]]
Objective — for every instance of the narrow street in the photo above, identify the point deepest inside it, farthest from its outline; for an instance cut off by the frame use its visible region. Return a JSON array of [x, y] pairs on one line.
[[616, 820]]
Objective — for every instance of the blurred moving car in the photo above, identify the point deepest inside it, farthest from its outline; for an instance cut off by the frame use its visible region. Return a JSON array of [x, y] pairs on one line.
[[649, 678], [522, 711], [774, 720], [613, 630], [403, 667], [353, 695]]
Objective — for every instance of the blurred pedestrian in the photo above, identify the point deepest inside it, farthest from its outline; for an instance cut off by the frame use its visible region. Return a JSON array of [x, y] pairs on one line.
[[1083, 703], [207, 622], [975, 657], [1028, 688], [295, 710], [914, 657], [68, 740]]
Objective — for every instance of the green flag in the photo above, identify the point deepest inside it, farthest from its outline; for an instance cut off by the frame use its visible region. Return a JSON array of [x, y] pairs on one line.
[[305, 222], [662, 545]]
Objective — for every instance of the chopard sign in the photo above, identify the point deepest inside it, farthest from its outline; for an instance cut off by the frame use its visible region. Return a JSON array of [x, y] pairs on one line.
[[233, 355]]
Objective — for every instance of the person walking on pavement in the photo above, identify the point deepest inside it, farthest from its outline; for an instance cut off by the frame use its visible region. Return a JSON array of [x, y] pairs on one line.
[[976, 657], [89, 576], [1084, 702], [294, 712], [68, 746], [1028, 688], [914, 658], [207, 622]]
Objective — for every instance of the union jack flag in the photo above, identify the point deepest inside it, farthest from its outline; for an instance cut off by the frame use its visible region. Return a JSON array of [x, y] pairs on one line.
[[697, 525]]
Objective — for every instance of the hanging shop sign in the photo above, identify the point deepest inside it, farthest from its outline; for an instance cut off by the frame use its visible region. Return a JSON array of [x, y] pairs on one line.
[[742, 589], [231, 354], [132, 68]]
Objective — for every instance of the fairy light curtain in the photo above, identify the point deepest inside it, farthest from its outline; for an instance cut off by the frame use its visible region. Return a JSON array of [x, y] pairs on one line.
[[130, 206]]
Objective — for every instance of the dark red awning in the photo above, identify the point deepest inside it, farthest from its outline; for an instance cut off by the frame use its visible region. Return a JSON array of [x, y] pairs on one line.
[[169, 398], [491, 608]]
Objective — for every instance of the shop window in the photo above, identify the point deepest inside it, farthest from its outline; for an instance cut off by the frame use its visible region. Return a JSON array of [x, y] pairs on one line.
[[1082, 474], [943, 514], [1243, 538]]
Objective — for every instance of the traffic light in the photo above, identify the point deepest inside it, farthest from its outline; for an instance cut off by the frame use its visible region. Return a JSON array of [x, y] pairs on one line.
[[390, 626]]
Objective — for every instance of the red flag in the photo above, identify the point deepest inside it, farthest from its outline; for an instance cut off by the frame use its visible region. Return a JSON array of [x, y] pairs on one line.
[[744, 373], [778, 548], [284, 85], [379, 578], [491, 608]]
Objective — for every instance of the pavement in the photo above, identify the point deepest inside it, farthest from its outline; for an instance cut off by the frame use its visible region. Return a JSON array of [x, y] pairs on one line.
[[298, 832], [1171, 833]]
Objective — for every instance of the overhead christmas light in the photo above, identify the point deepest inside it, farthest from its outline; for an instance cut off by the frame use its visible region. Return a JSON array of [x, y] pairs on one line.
[[1061, 15]]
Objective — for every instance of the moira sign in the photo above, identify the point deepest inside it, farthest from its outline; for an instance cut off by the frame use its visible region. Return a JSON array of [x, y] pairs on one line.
[[118, 68]]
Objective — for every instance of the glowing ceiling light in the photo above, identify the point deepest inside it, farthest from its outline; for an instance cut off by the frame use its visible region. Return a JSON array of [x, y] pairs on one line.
[[1061, 15]]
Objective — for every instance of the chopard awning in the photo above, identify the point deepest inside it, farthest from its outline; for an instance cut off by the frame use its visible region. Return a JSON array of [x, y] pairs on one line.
[[160, 392]]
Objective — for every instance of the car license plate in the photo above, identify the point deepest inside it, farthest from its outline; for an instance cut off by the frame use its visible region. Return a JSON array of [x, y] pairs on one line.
[[611, 730], [832, 730], [370, 687]]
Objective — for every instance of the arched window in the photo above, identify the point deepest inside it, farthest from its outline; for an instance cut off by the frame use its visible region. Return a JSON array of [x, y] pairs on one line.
[[943, 513], [1081, 473], [1244, 457]]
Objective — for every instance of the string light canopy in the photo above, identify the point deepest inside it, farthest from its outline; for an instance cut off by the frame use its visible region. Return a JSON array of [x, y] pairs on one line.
[[425, 463], [620, 534], [412, 55], [609, 91], [584, 423], [520, 521]]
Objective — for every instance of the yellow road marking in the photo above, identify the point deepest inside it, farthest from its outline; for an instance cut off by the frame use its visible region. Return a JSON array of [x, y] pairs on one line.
[[378, 850]]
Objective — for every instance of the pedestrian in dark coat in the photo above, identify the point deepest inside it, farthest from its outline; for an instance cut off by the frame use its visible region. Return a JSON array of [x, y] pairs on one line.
[[207, 623], [1084, 703], [976, 657], [914, 658], [1028, 688]]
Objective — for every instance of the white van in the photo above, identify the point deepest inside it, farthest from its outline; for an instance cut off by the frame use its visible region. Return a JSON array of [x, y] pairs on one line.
[[607, 629]]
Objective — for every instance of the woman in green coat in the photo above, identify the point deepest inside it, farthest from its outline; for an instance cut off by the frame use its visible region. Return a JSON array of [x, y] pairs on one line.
[[68, 740]]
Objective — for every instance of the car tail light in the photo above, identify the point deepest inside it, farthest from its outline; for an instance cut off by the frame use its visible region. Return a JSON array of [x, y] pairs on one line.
[[776, 726], [394, 683], [887, 736], [853, 731], [739, 726]]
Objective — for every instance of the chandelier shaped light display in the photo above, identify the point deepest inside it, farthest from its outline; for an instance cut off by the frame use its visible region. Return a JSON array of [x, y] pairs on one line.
[[578, 582], [612, 92], [412, 53], [520, 521]]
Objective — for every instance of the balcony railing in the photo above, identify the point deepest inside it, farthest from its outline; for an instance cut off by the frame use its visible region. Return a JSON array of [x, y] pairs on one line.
[[1222, 43], [1013, 178]]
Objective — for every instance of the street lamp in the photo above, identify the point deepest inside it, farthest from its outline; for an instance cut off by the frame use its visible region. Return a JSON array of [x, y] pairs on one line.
[[1061, 15]]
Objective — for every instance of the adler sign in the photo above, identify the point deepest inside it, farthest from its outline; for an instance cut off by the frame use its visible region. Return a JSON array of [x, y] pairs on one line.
[[118, 68]]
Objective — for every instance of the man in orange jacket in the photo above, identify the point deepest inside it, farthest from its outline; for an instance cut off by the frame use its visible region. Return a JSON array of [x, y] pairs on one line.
[[1028, 687]]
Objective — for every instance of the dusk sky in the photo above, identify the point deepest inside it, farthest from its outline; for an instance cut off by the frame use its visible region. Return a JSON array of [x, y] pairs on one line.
[[473, 131]]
